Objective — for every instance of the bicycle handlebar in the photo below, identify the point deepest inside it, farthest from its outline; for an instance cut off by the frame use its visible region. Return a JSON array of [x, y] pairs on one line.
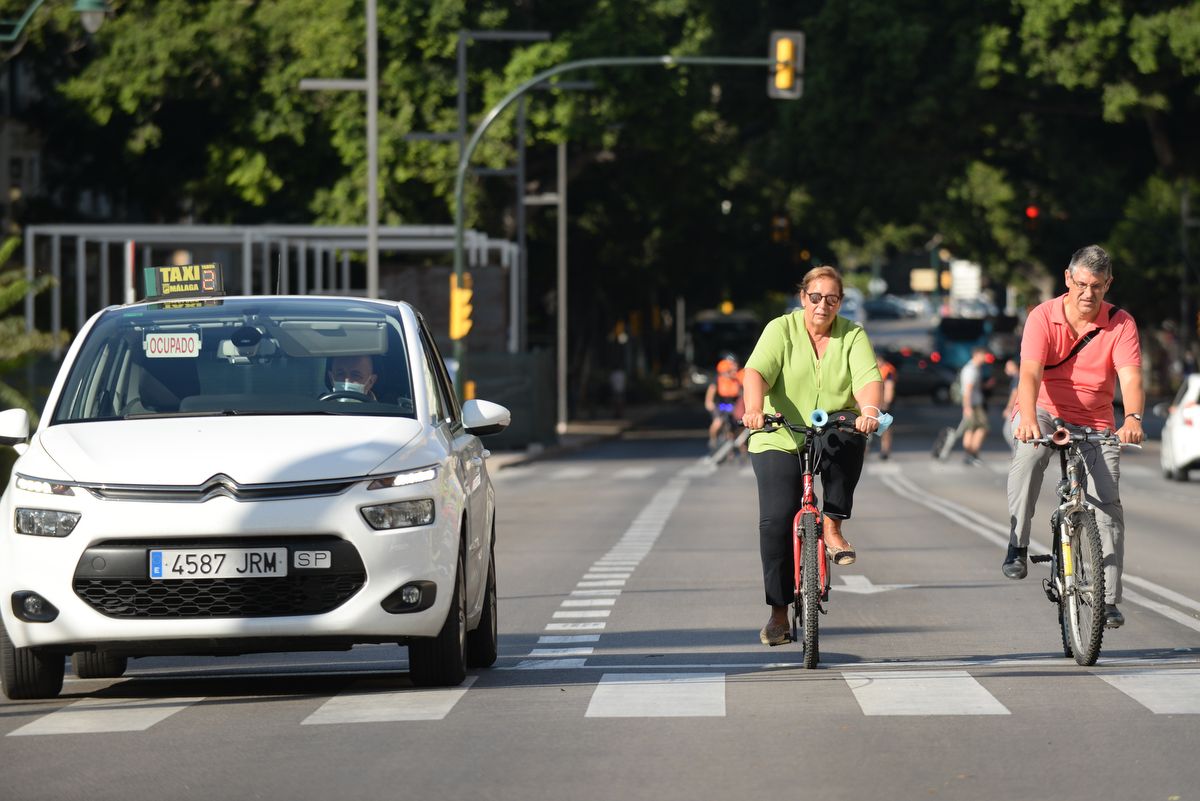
[[1063, 437], [820, 421]]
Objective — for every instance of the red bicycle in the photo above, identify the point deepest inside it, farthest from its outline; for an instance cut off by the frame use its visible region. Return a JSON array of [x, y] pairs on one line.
[[810, 557]]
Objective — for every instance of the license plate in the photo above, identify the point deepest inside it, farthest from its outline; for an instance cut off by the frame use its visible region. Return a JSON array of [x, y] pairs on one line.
[[218, 563]]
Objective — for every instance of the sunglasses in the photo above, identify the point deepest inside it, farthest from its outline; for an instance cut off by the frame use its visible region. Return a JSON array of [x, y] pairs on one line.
[[816, 298]]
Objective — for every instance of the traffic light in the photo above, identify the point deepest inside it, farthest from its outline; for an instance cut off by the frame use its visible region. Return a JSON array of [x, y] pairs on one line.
[[1032, 212], [786, 80], [460, 306]]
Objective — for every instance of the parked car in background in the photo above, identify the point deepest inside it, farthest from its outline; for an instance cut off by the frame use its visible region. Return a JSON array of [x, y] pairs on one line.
[[918, 373], [1181, 433], [886, 307], [955, 337]]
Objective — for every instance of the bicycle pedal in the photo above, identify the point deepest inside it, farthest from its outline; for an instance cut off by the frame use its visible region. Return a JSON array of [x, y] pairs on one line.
[[1051, 591], [1041, 557]]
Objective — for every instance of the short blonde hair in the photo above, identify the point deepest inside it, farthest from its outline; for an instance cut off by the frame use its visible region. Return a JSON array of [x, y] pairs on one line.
[[824, 271]]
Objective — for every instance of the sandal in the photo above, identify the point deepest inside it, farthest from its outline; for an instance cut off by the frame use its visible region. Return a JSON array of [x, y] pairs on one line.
[[841, 556], [775, 634]]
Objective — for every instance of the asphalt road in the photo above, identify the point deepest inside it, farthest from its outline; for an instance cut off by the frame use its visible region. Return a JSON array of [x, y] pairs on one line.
[[630, 603]]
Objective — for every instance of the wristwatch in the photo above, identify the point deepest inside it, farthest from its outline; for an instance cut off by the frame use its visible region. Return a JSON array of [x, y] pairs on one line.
[[1135, 416]]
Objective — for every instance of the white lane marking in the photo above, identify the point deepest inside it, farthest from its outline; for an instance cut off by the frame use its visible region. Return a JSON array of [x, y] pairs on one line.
[[634, 472], [609, 570], [658, 695], [571, 473], [97, 715], [1162, 591], [560, 639], [582, 651], [589, 602], [597, 625], [607, 583], [861, 585], [385, 706], [594, 593], [998, 533], [604, 576], [1163, 692], [549, 664], [568, 614], [942, 692]]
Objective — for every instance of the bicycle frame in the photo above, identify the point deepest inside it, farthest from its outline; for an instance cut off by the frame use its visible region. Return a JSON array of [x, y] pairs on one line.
[[808, 505]]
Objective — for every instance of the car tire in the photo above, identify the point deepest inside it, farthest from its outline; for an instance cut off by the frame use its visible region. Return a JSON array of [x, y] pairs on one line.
[[28, 673], [93, 665], [441, 661], [483, 642]]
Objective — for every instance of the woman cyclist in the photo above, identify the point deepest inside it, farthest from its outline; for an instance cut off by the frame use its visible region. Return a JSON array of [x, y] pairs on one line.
[[808, 359]]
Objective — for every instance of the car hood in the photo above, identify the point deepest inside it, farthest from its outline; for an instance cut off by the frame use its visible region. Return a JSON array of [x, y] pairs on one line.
[[189, 451]]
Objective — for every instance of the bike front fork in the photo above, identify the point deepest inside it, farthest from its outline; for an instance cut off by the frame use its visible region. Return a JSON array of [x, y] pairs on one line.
[[798, 554]]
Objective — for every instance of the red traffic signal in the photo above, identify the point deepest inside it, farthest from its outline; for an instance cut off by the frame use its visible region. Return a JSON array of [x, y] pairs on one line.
[[1032, 212]]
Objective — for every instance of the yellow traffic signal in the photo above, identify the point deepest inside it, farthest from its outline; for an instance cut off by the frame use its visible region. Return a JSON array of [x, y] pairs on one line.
[[786, 80], [460, 306]]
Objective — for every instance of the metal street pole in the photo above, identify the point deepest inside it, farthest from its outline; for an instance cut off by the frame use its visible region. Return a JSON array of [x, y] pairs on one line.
[[369, 85], [372, 153], [561, 424]]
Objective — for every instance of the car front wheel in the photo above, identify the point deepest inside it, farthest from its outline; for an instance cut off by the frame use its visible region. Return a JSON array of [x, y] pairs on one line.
[[483, 642], [441, 661], [29, 672]]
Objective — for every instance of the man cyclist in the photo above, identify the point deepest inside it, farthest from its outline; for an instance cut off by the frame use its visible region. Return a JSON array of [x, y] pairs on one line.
[[1059, 377], [722, 397]]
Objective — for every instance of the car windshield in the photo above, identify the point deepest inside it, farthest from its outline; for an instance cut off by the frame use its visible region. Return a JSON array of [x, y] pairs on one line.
[[239, 356]]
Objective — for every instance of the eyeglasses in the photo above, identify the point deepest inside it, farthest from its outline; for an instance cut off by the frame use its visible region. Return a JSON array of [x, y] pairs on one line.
[[1098, 289], [815, 298]]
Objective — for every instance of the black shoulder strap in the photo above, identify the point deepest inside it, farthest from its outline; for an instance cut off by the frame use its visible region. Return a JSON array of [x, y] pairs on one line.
[[1088, 337]]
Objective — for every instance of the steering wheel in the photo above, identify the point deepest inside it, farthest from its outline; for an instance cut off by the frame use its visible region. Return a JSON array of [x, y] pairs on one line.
[[346, 395]]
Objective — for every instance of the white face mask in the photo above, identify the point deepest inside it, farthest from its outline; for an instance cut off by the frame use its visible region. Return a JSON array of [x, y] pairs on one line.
[[349, 386]]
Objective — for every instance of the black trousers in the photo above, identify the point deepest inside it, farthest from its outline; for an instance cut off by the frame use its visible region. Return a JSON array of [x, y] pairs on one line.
[[779, 494]]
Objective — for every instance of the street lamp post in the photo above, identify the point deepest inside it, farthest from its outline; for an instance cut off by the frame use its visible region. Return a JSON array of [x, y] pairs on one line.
[[496, 110], [370, 85]]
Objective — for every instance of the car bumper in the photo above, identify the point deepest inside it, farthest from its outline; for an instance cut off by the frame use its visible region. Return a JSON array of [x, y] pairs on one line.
[[57, 568]]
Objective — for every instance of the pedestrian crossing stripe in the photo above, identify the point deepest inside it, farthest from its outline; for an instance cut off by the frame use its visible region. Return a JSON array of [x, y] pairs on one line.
[[1162, 690]]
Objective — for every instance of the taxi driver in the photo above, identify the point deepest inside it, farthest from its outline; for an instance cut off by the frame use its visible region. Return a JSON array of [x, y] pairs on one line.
[[352, 374]]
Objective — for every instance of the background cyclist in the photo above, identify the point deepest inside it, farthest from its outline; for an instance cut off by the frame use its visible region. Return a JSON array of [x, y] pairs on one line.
[[1079, 390], [723, 397], [808, 359]]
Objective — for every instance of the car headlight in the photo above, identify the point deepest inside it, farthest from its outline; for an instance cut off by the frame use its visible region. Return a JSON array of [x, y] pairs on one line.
[[46, 522], [404, 479], [399, 514], [42, 487]]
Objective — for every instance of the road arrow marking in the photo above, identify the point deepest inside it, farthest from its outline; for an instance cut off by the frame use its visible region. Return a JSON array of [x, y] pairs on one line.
[[863, 586]]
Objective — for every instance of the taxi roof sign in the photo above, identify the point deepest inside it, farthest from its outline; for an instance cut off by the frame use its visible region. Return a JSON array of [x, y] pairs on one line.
[[183, 281]]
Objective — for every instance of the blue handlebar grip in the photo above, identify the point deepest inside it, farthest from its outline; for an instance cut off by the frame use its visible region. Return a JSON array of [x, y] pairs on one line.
[[819, 418], [885, 422]]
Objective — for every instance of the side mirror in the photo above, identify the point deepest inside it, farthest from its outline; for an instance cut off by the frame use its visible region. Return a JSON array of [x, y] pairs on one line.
[[14, 426], [482, 417], [1162, 409]]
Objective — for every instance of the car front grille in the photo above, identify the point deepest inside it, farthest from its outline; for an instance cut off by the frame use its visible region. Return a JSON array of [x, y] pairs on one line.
[[202, 598], [113, 578]]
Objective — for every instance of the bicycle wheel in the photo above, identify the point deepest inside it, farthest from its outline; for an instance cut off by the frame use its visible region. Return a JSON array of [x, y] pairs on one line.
[[1056, 576], [810, 591], [1085, 599]]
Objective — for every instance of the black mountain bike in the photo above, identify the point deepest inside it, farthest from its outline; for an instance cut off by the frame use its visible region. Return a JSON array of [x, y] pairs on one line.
[[1076, 583]]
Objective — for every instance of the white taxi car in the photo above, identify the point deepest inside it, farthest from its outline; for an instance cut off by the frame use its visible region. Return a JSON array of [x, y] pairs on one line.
[[248, 474], [1181, 431]]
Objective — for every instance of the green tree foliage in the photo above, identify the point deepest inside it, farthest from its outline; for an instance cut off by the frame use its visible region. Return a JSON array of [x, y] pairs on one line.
[[16, 346], [918, 119]]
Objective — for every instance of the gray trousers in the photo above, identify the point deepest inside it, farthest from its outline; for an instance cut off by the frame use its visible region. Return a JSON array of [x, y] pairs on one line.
[[1025, 476]]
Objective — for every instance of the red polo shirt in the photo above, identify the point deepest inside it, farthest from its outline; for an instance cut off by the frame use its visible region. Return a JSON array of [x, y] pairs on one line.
[[1080, 391]]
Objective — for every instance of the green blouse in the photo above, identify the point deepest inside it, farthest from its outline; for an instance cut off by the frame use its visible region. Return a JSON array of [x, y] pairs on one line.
[[800, 383]]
